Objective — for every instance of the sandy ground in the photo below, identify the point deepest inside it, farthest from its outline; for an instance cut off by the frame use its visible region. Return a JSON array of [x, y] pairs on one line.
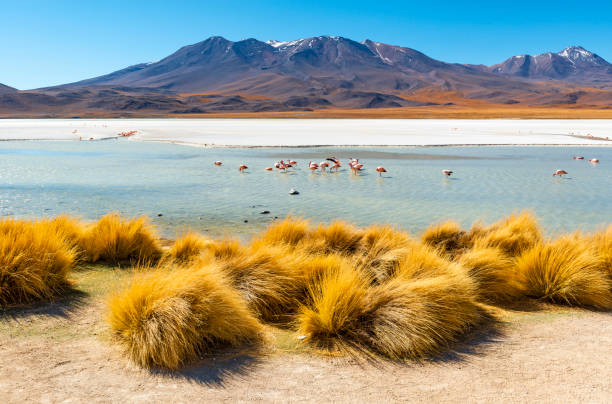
[[55, 355], [318, 132]]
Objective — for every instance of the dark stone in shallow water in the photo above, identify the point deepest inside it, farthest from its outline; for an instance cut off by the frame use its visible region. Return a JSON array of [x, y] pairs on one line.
[[159, 215], [246, 221], [264, 212]]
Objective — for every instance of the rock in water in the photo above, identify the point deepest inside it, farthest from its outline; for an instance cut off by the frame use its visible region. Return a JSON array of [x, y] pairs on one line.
[[264, 212], [293, 192]]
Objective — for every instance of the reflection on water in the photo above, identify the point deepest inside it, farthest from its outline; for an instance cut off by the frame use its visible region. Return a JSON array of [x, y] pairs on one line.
[[181, 183]]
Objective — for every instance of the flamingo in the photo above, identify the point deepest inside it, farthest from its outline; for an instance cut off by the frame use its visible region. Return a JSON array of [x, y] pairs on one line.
[[578, 158], [293, 162], [242, 167], [560, 173], [355, 165], [218, 163], [336, 162], [448, 173], [268, 168], [380, 170], [594, 160], [312, 165], [323, 165]]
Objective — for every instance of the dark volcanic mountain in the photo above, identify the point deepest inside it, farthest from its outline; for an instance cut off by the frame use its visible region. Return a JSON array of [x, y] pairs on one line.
[[572, 64], [315, 66], [218, 75], [6, 89], [319, 65]]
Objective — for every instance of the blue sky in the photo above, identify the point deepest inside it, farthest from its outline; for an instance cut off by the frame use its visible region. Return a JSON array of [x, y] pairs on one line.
[[52, 42]]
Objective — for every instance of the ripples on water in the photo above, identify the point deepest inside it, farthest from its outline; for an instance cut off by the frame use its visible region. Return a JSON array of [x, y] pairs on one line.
[[89, 179]]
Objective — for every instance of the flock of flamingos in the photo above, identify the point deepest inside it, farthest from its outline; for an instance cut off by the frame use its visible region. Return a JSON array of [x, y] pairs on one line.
[[333, 164]]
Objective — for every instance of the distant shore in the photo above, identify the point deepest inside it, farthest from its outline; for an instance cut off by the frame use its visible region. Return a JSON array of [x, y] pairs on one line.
[[318, 132]]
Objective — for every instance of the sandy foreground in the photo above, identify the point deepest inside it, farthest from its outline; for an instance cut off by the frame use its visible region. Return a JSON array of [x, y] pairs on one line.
[[545, 357], [318, 132]]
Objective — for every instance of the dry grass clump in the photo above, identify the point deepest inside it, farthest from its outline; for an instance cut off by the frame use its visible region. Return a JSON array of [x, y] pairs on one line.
[[566, 271], [166, 319], [381, 250], [35, 260], [338, 237], [602, 242], [268, 278], [70, 228], [114, 239], [495, 274], [288, 231], [338, 299], [422, 318], [186, 249], [421, 261], [512, 235], [448, 237], [398, 319]]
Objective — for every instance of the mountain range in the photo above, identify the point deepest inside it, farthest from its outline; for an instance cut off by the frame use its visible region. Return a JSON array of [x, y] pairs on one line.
[[325, 72]]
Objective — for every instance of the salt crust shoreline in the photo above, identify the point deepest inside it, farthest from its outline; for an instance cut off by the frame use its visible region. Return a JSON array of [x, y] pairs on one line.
[[251, 133]]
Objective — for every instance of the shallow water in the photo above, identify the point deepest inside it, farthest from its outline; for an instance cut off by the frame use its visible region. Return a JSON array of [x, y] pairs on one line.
[[88, 179]]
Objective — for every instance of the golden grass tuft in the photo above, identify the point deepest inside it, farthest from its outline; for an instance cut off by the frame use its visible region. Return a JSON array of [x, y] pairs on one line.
[[495, 274], [566, 271], [398, 319], [381, 250], [186, 249], [338, 237], [338, 299], [420, 319], [287, 231], [168, 318], [448, 237], [513, 235], [35, 260], [70, 228], [268, 279], [602, 242], [223, 249], [114, 239], [421, 261]]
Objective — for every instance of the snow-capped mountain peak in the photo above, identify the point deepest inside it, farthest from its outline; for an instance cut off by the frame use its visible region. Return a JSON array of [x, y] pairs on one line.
[[577, 53]]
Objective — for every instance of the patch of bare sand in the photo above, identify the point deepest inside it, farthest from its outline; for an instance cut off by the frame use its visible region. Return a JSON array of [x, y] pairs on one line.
[[63, 354]]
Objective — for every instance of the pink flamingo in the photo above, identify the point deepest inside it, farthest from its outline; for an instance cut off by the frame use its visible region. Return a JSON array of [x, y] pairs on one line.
[[448, 173], [380, 170], [578, 158], [594, 160], [312, 165], [355, 165], [218, 163], [335, 161], [268, 168], [293, 162], [323, 165], [560, 173], [242, 167]]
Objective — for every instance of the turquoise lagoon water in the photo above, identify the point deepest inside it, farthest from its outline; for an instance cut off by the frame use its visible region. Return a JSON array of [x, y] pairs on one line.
[[89, 179]]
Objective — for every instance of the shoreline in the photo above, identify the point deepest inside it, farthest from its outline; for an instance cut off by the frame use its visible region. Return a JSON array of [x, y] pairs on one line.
[[296, 133]]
